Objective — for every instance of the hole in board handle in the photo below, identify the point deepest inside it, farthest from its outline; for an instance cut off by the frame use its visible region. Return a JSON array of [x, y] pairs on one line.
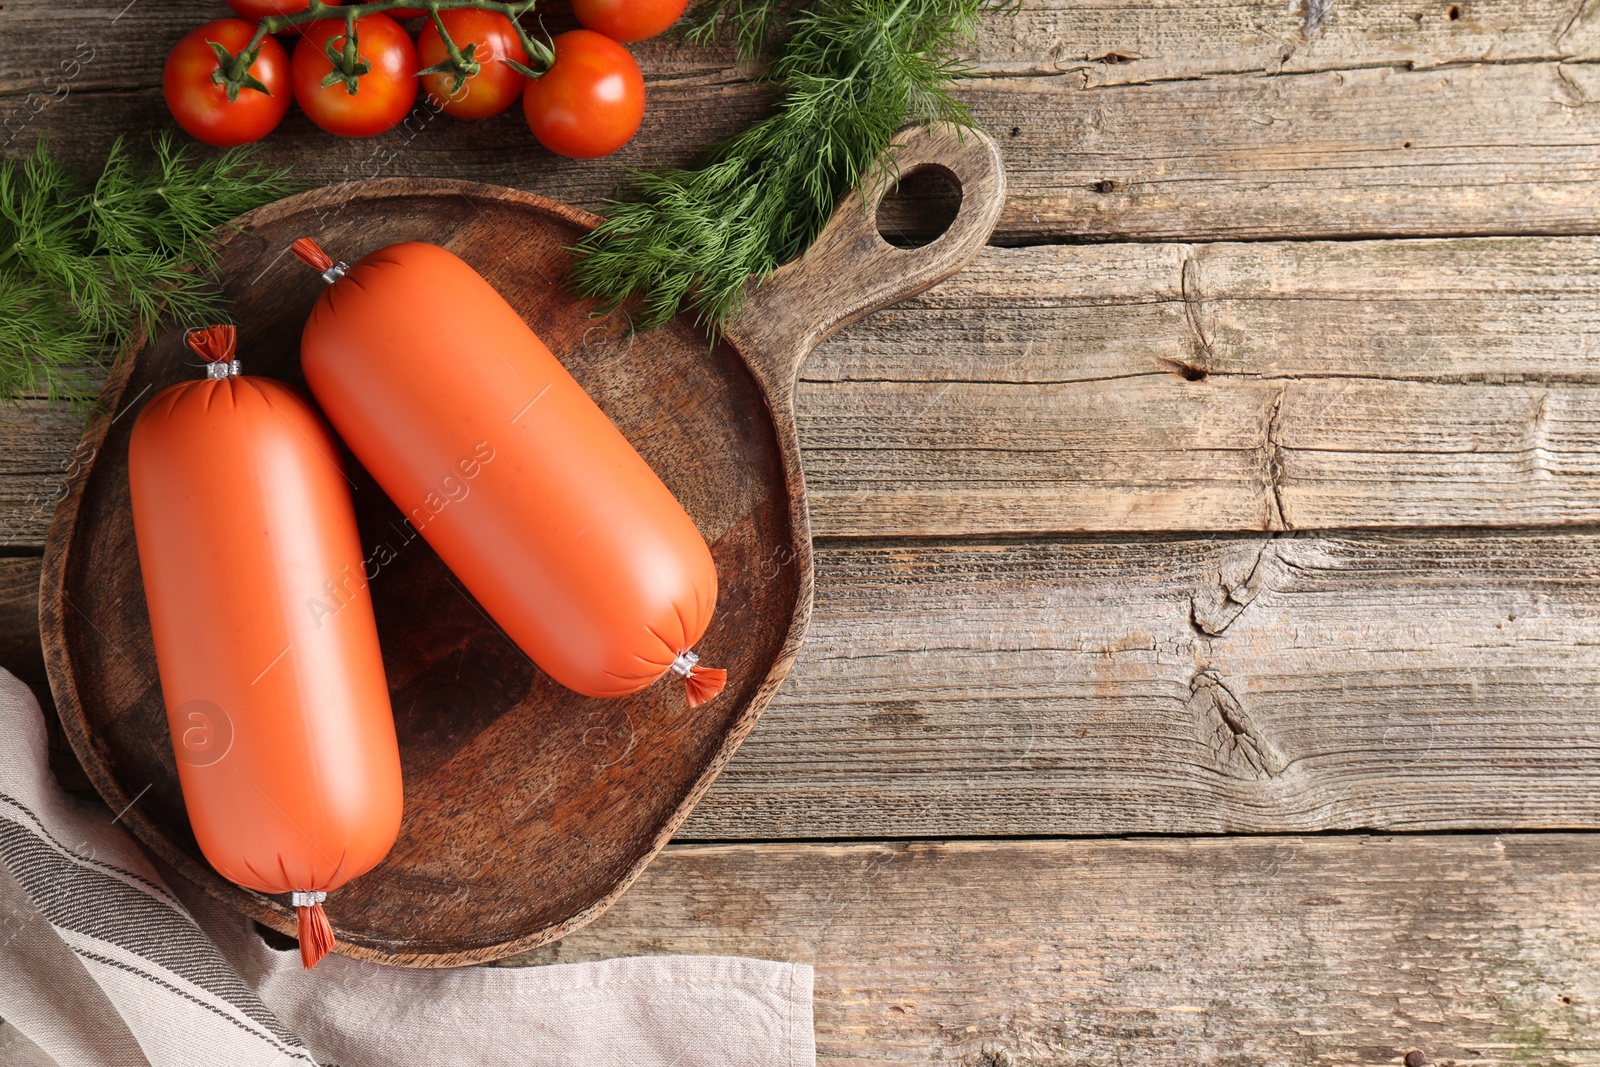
[[921, 206]]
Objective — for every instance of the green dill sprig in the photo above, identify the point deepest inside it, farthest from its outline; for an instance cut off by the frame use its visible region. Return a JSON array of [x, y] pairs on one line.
[[753, 24], [850, 74], [81, 270]]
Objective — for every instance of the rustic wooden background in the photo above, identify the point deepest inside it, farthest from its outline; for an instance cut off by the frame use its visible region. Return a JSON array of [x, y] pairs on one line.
[[1206, 664]]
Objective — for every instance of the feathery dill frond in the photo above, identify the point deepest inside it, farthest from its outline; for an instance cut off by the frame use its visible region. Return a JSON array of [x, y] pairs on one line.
[[753, 24], [82, 268], [41, 345], [850, 74]]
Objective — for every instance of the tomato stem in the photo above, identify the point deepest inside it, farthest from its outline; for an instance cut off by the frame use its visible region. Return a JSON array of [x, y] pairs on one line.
[[460, 65], [346, 59], [540, 52], [233, 69]]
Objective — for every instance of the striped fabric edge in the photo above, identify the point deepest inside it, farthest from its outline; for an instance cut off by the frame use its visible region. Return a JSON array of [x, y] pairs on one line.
[[125, 921], [36, 826]]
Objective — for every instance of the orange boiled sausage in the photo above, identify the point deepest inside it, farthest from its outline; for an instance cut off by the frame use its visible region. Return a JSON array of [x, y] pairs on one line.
[[504, 464], [264, 636]]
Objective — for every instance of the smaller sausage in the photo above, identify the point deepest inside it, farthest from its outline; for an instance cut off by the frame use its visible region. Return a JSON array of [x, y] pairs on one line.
[[264, 635]]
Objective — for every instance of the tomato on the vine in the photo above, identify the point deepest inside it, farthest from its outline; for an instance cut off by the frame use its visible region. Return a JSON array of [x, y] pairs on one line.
[[628, 20], [256, 10], [492, 40], [201, 105], [591, 100], [385, 81]]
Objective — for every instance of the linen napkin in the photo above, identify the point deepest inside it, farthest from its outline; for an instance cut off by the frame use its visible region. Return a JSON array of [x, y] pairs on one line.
[[106, 963]]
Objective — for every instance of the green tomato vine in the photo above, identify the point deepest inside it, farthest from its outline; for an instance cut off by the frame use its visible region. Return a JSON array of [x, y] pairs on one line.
[[233, 68]]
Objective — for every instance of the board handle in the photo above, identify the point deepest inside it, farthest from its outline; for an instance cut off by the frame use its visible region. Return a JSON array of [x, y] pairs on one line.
[[850, 270]]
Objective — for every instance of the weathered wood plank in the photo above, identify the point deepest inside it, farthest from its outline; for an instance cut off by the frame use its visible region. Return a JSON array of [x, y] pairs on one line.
[[1416, 682], [1170, 387], [1369, 383], [1486, 311], [1335, 951], [111, 45], [116, 46], [1460, 150], [1109, 42], [1349, 144], [1223, 386], [1142, 454], [1473, 949], [39, 456], [1446, 681]]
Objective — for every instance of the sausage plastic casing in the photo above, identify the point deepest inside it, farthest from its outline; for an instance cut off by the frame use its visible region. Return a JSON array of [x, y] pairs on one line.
[[497, 456], [264, 635]]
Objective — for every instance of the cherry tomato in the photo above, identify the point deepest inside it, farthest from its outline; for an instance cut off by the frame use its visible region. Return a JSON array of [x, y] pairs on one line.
[[493, 39], [384, 94], [628, 20], [591, 100], [202, 107], [256, 10]]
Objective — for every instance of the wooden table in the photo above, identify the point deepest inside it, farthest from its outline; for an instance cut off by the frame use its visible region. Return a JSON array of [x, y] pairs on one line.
[[1206, 661]]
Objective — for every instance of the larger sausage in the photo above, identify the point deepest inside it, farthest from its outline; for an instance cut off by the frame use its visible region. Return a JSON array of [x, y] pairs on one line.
[[510, 471], [264, 636]]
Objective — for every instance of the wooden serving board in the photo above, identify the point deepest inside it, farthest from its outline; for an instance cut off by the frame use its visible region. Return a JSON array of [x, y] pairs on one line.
[[528, 808]]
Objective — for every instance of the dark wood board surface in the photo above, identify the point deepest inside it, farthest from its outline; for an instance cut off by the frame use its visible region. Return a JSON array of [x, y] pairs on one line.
[[528, 808]]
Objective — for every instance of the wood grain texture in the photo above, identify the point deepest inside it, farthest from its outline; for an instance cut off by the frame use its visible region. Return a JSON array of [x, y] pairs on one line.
[[1206, 685], [110, 45], [1112, 42], [115, 46], [569, 796], [1218, 387], [1481, 149], [39, 459], [1121, 120], [1331, 951], [1403, 682], [528, 808], [1117, 684], [1171, 387]]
